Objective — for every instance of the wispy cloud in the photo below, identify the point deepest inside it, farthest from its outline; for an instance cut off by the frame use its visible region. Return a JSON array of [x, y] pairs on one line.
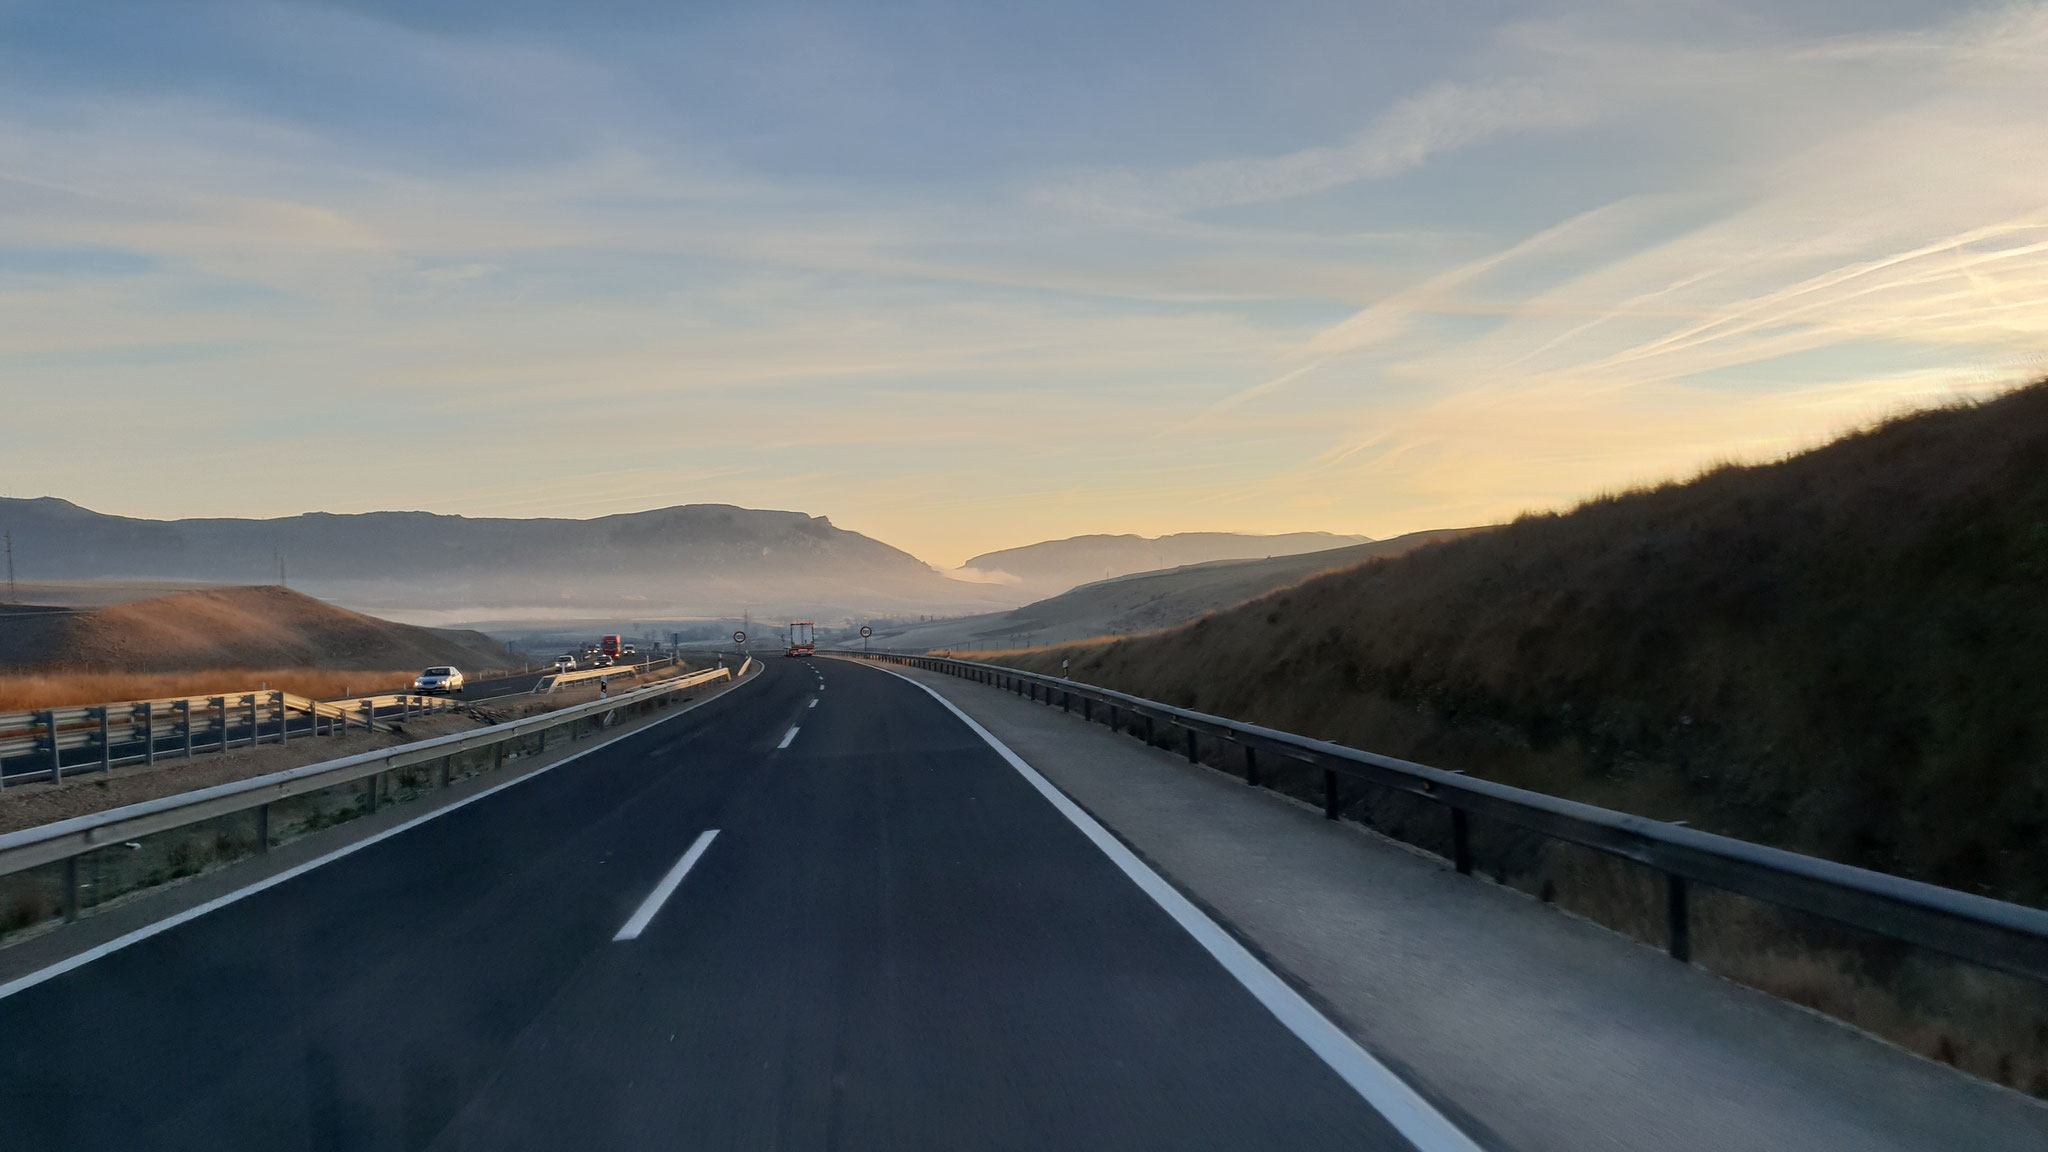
[[1558, 254], [1443, 118]]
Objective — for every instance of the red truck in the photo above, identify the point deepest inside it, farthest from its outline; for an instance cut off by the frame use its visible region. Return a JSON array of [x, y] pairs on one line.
[[611, 646]]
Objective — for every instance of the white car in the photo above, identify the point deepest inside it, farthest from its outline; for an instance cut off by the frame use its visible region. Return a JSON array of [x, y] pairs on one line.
[[439, 680], [565, 663]]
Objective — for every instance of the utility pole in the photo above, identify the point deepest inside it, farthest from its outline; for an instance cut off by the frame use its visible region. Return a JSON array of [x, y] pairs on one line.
[[13, 596]]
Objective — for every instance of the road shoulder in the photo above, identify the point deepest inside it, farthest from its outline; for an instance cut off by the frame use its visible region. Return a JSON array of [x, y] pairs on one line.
[[1544, 1031]]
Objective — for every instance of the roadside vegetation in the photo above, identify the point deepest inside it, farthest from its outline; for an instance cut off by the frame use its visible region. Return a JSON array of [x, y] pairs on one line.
[[1844, 653]]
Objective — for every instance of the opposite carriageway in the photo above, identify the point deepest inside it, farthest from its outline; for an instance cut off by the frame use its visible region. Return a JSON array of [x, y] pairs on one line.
[[46, 745]]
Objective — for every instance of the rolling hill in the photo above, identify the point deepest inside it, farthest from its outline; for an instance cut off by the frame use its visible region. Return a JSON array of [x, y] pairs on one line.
[[1053, 566], [1145, 601], [258, 627], [1842, 653]]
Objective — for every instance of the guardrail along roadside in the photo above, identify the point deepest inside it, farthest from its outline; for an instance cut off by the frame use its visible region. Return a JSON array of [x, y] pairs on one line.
[[67, 868], [50, 744], [556, 681], [1992, 934]]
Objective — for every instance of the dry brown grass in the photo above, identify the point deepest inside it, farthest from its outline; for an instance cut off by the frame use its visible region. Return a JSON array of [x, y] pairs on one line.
[[23, 691], [257, 627]]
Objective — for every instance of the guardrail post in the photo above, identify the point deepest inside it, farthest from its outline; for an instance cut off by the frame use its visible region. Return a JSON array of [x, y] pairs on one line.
[[220, 705], [369, 714], [444, 770], [263, 827], [149, 731], [70, 889], [106, 741], [1251, 766], [49, 719], [185, 723], [1678, 917], [1066, 700], [370, 793], [284, 720], [1330, 806], [254, 732], [1194, 757], [1088, 709], [1151, 735], [1461, 841]]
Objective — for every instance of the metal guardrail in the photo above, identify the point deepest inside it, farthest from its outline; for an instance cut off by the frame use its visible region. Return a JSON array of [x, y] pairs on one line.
[[554, 681], [1996, 934], [33, 744], [66, 840]]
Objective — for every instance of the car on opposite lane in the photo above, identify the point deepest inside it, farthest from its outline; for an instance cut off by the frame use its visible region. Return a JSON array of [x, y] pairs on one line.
[[441, 679]]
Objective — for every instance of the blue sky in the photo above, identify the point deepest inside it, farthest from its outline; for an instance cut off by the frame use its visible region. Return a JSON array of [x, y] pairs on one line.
[[964, 277]]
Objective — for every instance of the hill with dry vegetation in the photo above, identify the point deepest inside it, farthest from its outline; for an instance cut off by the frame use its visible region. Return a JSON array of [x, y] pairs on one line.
[[258, 627], [1844, 652]]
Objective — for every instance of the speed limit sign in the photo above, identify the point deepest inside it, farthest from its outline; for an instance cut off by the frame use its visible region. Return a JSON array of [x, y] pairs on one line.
[[866, 631], [739, 637]]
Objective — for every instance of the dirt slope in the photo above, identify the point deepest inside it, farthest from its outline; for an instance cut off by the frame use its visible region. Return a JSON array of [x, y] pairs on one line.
[[259, 627], [1845, 652]]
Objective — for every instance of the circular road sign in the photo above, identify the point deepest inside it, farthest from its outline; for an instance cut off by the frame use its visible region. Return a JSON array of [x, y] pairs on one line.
[[739, 637], [866, 631]]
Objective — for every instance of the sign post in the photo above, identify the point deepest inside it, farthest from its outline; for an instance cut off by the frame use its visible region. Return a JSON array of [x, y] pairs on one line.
[[865, 632]]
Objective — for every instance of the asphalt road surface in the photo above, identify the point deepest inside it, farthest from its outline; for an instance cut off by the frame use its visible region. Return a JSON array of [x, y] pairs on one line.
[[892, 942]]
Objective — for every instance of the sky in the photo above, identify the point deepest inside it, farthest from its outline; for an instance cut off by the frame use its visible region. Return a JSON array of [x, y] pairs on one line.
[[967, 276]]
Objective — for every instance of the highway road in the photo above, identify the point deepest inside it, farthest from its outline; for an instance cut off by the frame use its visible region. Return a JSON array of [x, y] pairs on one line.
[[818, 911]]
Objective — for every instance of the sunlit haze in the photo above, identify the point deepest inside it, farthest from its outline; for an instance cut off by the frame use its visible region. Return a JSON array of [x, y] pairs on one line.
[[965, 278]]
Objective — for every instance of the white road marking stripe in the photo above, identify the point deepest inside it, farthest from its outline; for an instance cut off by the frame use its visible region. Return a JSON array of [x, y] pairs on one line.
[[1389, 1095], [813, 703], [23, 983], [787, 737], [662, 891]]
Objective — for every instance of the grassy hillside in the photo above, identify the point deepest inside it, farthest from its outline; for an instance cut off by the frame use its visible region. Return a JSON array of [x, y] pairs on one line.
[[265, 627], [1844, 653]]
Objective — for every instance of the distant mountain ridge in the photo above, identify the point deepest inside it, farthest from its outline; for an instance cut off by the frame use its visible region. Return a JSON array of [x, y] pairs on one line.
[[688, 560], [1054, 566], [1146, 601]]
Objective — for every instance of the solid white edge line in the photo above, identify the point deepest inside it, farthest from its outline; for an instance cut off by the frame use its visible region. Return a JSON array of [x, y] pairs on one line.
[[788, 736], [1389, 1095], [22, 983], [643, 915]]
